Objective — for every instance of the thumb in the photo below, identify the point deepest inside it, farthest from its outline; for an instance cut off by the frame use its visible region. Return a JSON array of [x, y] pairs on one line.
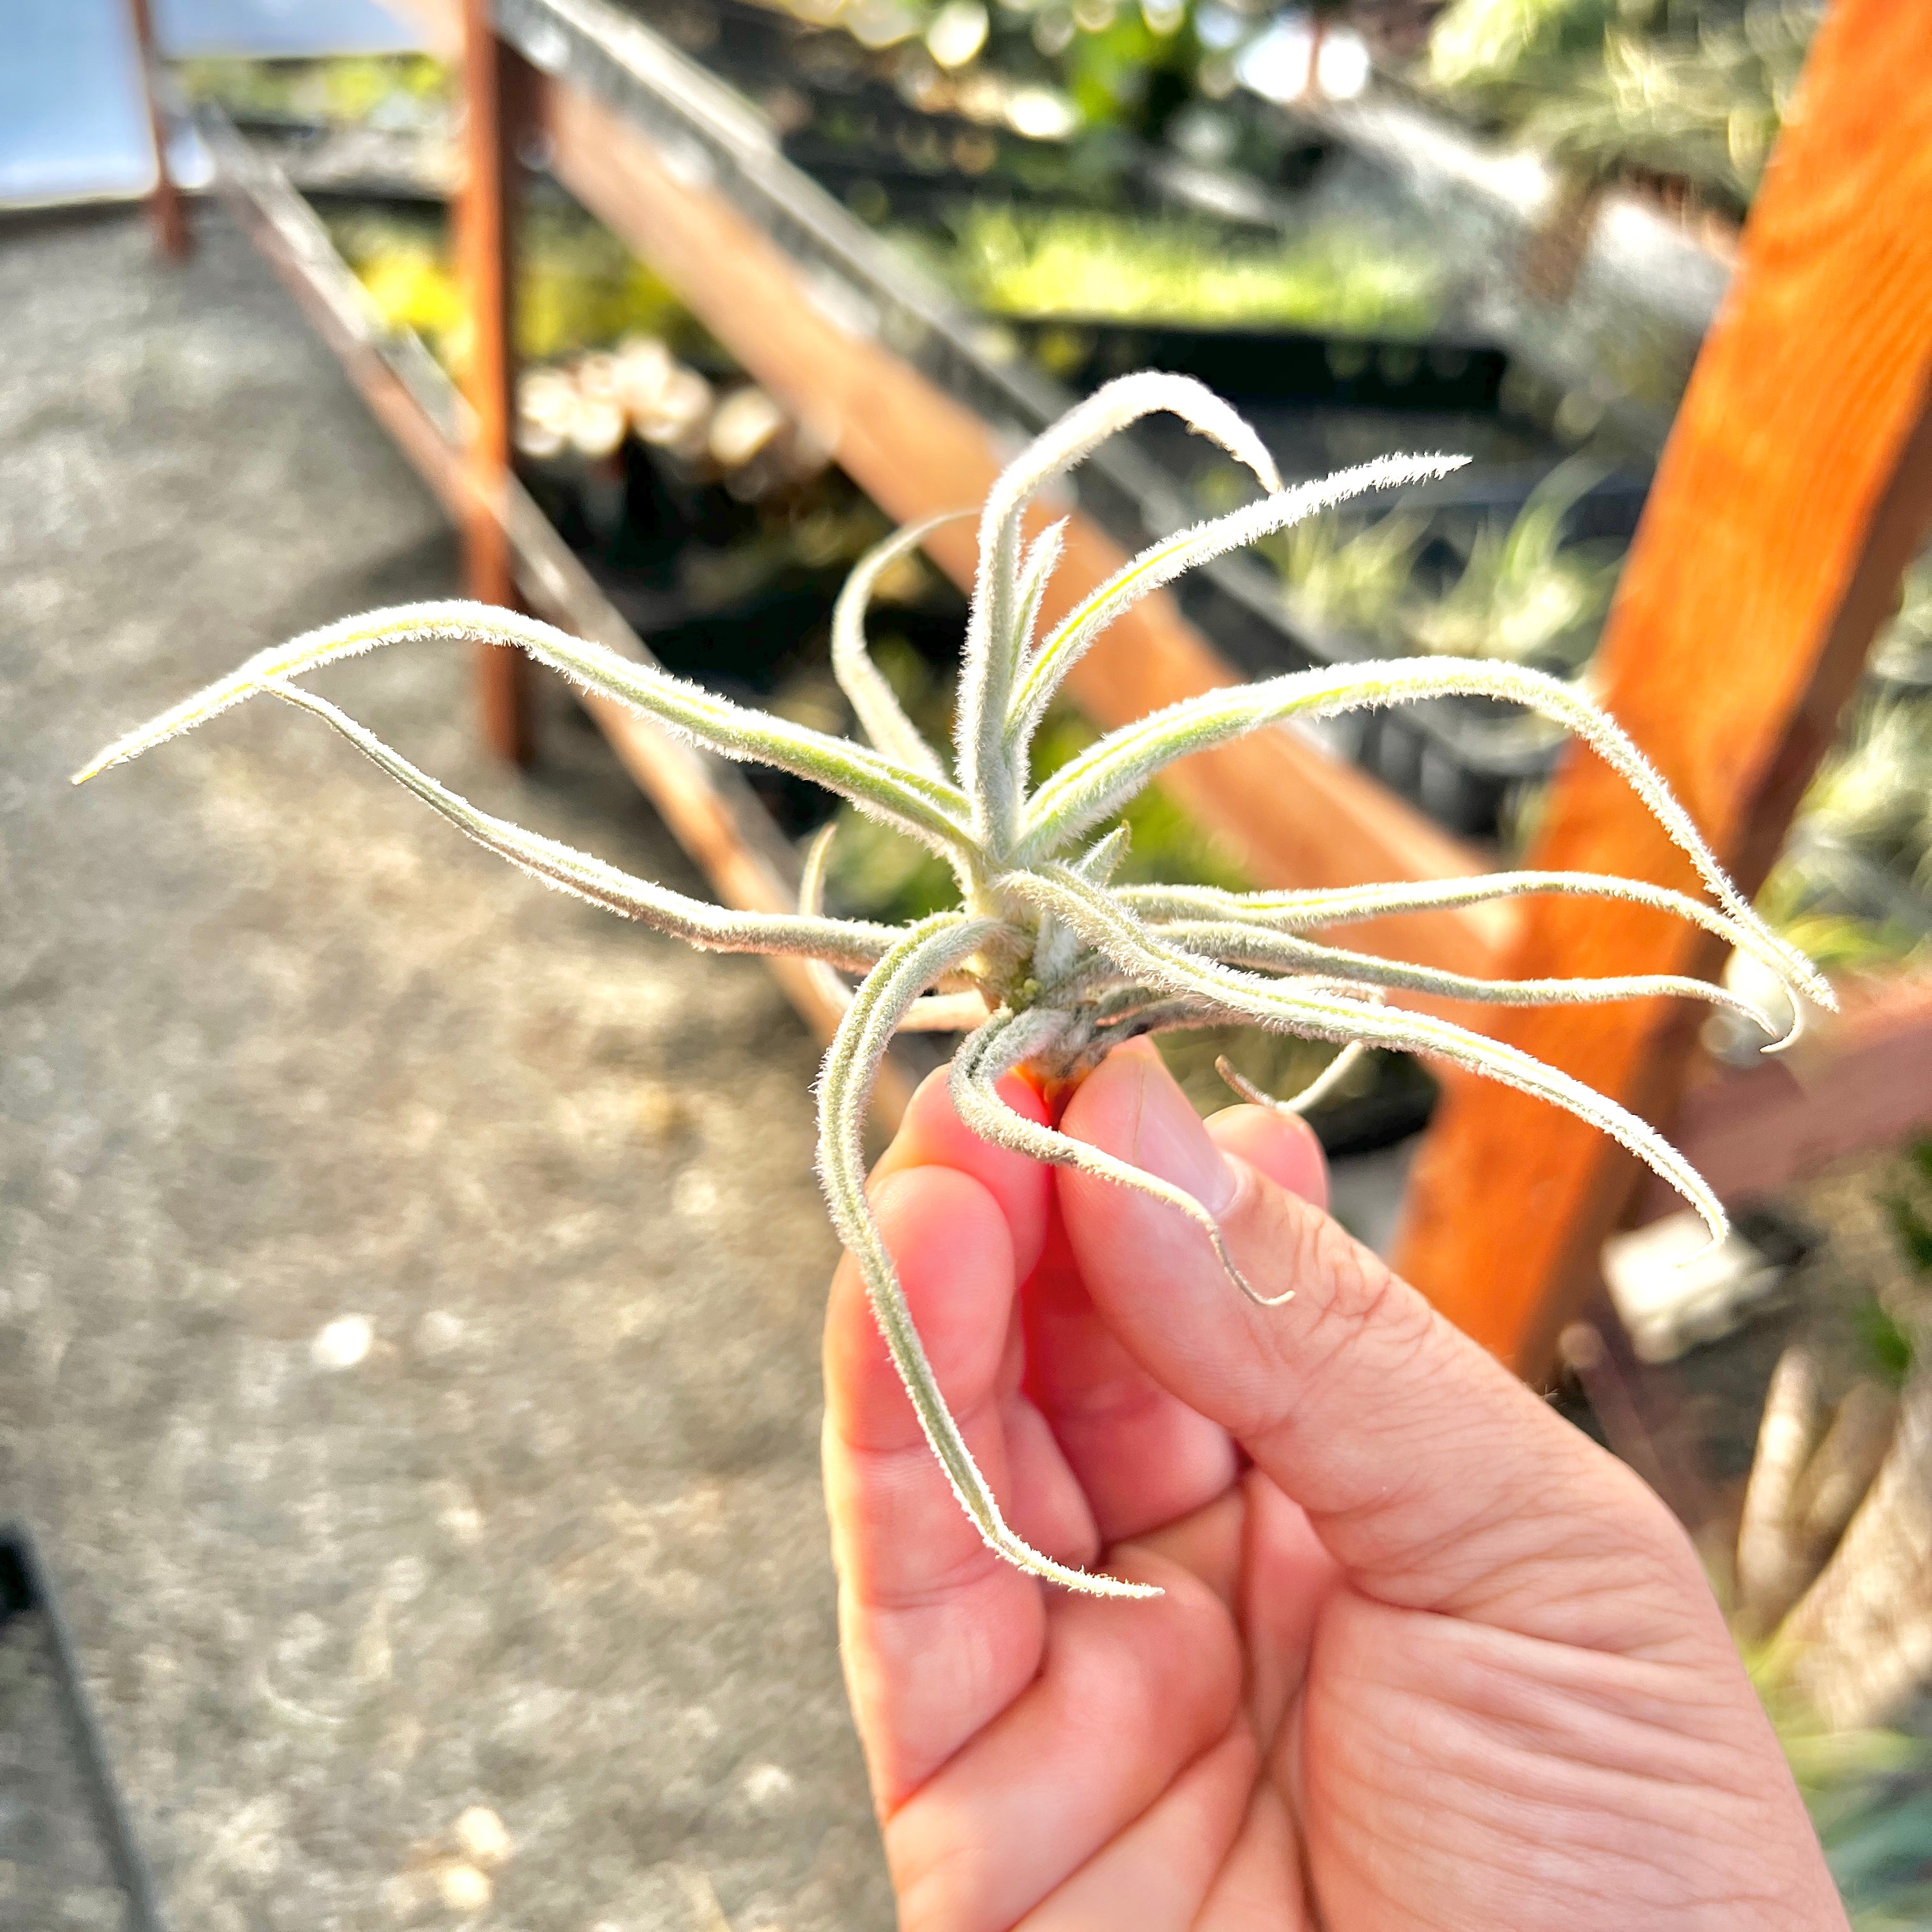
[[1434, 1477]]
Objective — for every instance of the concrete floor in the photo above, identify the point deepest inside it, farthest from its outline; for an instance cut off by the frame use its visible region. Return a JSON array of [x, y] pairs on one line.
[[280, 1052]]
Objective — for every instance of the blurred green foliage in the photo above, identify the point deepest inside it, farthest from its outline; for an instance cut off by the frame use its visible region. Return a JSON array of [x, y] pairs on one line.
[[1525, 595], [1356, 580], [1522, 594], [1018, 261], [577, 286], [1911, 1211], [1694, 91], [393, 90], [1869, 1801], [1852, 889], [1888, 1347]]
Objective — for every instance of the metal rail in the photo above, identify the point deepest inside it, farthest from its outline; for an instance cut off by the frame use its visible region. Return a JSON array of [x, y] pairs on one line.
[[26, 1588]]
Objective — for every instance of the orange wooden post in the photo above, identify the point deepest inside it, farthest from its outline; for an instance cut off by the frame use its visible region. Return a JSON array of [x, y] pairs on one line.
[[495, 92], [165, 206], [1794, 488]]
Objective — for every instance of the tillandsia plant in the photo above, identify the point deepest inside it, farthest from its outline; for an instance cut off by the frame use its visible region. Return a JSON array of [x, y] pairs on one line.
[[1043, 963]]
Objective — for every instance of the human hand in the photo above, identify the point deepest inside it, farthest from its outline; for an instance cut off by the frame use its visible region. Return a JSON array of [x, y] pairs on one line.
[[1426, 1657]]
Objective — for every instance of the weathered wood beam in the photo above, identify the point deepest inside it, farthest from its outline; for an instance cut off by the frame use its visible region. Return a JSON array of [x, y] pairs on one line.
[[1861, 1082], [1794, 488], [495, 99], [166, 209]]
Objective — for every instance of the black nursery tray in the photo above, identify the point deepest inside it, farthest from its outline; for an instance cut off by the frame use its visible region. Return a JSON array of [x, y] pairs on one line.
[[67, 1855], [1356, 372]]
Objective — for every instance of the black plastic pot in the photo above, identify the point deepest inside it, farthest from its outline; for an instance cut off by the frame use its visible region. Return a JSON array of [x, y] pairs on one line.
[[1279, 364]]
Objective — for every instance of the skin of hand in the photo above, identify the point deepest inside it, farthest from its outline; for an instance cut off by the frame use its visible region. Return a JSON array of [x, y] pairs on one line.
[[1427, 1657]]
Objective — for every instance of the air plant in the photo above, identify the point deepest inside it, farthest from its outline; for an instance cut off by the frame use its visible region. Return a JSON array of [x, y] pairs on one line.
[[1044, 964], [576, 286], [410, 91]]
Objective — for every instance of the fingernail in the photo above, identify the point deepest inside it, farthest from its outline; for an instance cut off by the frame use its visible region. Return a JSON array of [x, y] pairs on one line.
[[1170, 1141]]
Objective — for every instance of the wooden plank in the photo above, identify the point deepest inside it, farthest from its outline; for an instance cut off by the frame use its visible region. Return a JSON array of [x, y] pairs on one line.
[[705, 802], [495, 96], [284, 229], [1793, 491], [165, 207]]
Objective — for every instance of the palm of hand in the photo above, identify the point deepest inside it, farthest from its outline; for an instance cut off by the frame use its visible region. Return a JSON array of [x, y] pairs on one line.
[[1470, 1677], [1387, 1767]]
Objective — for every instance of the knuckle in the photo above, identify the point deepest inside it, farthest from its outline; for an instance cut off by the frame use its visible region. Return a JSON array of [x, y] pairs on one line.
[[1354, 1299]]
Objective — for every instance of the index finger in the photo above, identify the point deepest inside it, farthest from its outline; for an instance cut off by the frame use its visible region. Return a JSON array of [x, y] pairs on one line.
[[938, 1633], [1145, 1457]]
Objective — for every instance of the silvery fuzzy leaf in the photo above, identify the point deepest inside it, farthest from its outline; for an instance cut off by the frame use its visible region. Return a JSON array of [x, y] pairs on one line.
[[1042, 558], [1310, 909], [877, 709], [931, 1013], [1160, 563], [992, 627], [1254, 944], [1098, 864], [1304, 1099], [857, 944], [927, 952], [1096, 783], [932, 810]]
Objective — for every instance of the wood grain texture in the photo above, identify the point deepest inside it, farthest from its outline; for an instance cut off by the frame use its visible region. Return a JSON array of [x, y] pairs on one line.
[[1795, 487], [1296, 815], [495, 96]]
